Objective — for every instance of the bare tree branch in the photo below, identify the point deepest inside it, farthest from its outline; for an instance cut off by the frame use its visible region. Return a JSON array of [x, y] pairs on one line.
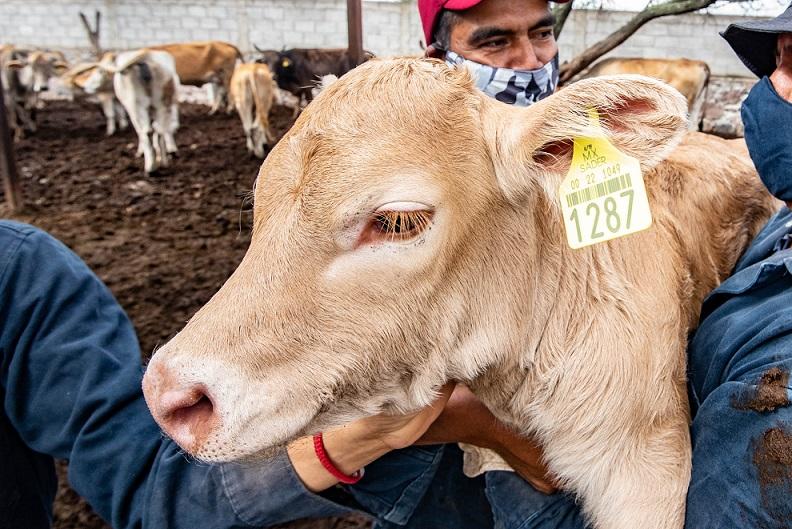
[[93, 34], [650, 12]]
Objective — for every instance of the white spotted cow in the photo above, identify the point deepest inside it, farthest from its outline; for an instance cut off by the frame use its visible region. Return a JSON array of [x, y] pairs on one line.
[[145, 82]]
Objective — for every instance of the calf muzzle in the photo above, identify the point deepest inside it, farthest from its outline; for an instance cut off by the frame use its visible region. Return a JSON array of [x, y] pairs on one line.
[[186, 413]]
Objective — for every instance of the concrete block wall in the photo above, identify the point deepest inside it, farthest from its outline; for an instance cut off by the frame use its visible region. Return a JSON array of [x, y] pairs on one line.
[[390, 27], [694, 36]]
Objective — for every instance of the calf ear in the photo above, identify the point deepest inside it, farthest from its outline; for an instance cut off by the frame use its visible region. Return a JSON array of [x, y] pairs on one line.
[[532, 147]]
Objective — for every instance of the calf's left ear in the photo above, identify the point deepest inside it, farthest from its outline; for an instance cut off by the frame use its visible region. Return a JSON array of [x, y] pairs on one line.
[[531, 148]]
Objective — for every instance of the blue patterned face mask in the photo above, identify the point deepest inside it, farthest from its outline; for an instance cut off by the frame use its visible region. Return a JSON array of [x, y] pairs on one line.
[[513, 87]]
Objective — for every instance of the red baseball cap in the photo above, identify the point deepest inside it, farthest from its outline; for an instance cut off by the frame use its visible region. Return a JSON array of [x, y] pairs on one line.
[[430, 11]]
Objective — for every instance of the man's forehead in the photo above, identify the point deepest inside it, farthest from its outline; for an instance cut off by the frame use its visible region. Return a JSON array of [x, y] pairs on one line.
[[509, 15]]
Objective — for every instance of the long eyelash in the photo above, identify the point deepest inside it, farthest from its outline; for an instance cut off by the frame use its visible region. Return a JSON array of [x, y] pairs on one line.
[[399, 224]]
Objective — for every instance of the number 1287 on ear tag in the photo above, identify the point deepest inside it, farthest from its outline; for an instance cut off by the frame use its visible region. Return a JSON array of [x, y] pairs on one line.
[[603, 196]]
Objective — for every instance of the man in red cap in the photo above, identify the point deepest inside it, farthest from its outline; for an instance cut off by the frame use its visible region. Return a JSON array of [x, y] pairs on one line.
[[508, 45]]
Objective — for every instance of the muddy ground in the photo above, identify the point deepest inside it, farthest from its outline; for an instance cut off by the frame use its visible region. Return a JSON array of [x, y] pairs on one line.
[[163, 244]]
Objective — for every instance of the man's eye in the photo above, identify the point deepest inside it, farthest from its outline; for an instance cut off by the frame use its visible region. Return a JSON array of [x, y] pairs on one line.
[[498, 43], [544, 34], [400, 225]]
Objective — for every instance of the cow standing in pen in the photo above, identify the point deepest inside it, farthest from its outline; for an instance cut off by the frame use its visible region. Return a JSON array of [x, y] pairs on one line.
[[253, 93], [211, 62], [26, 74], [146, 83], [297, 70]]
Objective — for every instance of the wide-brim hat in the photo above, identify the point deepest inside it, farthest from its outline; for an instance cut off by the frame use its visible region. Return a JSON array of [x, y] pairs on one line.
[[755, 42]]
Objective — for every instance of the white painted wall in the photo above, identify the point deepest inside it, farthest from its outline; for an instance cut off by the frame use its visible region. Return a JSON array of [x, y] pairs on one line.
[[390, 28]]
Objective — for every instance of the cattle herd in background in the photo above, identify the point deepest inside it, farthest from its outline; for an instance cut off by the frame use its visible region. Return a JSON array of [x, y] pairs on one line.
[[141, 87]]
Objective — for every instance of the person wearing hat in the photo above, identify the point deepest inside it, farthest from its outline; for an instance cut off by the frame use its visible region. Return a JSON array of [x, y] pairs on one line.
[[740, 357], [508, 45]]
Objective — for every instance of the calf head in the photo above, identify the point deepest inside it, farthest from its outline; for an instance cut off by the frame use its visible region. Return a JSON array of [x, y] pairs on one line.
[[399, 235], [268, 57], [36, 70], [101, 77]]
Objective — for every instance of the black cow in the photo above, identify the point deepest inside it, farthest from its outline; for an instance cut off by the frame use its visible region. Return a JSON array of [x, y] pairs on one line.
[[297, 70]]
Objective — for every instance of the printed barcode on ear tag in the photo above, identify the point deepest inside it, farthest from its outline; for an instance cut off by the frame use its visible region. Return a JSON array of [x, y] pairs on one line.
[[603, 196]]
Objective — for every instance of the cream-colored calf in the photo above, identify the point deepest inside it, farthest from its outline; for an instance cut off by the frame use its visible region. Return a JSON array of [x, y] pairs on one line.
[[252, 93], [408, 232]]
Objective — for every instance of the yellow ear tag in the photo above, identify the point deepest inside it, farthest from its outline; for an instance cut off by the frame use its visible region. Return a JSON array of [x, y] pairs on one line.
[[603, 196]]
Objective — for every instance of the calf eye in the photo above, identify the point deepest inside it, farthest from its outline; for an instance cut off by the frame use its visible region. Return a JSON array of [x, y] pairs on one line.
[[391, 225]]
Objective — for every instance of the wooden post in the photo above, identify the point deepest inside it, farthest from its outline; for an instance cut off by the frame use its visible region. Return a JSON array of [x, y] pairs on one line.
[[7, 164], [355, 30]]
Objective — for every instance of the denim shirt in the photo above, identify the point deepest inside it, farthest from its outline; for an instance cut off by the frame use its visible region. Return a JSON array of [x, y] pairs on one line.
[[744, 344], [70, 384]]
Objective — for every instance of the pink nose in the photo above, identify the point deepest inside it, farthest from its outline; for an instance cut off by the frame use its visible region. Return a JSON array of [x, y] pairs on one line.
[[185, 413]]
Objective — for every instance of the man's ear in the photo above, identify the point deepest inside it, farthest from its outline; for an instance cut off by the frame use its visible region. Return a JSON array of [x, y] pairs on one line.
[[532, 147], [431, 52]]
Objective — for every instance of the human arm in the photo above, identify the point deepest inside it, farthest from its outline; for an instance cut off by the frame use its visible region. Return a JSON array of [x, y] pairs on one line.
[[466, 419], [741, 399], [70, 376], [359, 443]]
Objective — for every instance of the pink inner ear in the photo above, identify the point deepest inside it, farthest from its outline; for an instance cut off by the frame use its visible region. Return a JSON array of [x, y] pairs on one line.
[[555, 156], [618, 118]]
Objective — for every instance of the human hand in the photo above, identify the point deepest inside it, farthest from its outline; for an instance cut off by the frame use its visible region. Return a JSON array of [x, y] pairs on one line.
[[355, 445], [401, 431], [782, 77], [466, 419]]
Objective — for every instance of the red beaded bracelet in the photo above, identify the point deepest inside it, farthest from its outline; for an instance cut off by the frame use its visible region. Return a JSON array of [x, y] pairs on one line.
[[329, 466]]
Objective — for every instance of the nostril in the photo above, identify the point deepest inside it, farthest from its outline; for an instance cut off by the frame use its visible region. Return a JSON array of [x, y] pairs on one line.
[[200, 412], [187, 416]]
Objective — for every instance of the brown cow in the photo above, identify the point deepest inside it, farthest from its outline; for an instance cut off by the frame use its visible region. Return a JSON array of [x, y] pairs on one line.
[[688, 76], [252, 93], [408, 231], [199, 63]]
